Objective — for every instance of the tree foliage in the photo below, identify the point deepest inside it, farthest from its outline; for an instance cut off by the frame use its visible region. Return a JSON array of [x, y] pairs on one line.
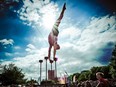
[[84, 75], [11, 74], [113, 63], [31, 82]]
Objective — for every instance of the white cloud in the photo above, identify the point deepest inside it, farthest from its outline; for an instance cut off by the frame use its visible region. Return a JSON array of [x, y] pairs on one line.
[[17, 47], [8, 54], [7, 41], [70, 33], [31, 46], [92, 35], [31, 49], [39, 13], [29, 11]]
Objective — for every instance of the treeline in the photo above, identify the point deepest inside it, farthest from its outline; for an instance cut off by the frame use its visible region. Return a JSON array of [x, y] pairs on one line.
[[109, 71], [12, 75]]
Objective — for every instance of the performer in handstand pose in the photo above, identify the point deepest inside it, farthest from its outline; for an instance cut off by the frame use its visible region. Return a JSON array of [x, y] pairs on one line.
[[53, 36]]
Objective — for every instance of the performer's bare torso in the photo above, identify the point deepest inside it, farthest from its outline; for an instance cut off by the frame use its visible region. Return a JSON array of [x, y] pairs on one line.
[[52, 39]]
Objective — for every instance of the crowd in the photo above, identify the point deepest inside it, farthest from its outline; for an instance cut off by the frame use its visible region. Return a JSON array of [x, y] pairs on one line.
[[101, 82], [90, 83]]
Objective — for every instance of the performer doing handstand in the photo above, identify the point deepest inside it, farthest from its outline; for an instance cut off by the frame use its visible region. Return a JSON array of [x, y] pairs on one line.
[[53, 36]]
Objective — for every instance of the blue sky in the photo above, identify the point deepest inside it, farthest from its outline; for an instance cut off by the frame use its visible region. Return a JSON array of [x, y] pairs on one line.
[[87, 33]]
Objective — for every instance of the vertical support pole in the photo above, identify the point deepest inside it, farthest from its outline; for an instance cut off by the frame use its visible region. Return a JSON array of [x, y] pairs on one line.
[[55, 70], [51, 70], [40, 61], [46, 58], [40, 73], [51, 61], [55, 59]]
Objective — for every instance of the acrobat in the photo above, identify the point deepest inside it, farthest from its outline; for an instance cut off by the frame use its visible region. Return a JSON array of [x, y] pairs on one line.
[[53, 36]]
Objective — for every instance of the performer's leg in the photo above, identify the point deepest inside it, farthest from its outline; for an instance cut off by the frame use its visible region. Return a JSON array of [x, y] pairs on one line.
[[49, 52], [62, 12]]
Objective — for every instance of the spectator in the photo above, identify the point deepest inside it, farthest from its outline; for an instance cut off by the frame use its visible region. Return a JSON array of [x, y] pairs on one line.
[[87, 84], [102, 82]]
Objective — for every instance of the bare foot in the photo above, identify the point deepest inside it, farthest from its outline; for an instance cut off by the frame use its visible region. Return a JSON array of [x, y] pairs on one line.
[[64, 7]]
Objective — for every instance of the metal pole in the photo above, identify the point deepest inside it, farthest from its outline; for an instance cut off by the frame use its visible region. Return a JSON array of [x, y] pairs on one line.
[[55, 70], [46, 58], [51, 70], [55, 59], [46, 70], [40, 73], [51, 61], [40, 61]]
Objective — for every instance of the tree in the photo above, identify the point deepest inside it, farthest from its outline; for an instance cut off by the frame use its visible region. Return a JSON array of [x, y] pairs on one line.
[[113, 63], [106, 70], [77, 75], [31, 82], [1, 67], [70, 77], [11, 74], [84, 75], [93, 72]]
